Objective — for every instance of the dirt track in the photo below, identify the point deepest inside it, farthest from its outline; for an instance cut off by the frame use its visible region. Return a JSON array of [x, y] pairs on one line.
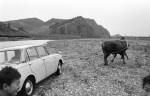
[[85, 75]]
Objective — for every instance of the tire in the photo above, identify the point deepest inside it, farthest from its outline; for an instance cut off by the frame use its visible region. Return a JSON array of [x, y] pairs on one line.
[[59, 69], [28, 87]]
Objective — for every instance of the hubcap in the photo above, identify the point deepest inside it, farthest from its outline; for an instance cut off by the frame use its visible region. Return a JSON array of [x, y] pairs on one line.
[[29, 87], [60, 68]]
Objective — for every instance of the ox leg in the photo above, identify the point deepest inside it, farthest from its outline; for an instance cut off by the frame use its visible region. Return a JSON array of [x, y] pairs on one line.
[[126, 55], [105, 59], [114, 57], [123, 59]]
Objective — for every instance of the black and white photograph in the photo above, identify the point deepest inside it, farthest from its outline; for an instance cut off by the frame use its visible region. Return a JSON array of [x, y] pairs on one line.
[[74, 48]]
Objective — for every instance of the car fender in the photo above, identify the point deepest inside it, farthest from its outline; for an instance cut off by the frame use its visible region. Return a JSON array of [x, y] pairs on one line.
[[59, 57], [25, 71]]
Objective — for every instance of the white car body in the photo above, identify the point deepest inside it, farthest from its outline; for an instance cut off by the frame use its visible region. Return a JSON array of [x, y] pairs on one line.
[[39, 67]]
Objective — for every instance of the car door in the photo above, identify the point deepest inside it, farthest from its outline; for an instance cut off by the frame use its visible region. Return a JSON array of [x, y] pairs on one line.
[[36, 63], [49, 60]]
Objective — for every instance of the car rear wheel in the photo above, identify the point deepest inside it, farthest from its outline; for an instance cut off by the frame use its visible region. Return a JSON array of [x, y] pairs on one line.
[[28, 87], [59, 69]]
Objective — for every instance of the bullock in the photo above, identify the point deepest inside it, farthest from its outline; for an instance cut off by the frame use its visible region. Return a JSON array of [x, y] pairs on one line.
[[114, 47]]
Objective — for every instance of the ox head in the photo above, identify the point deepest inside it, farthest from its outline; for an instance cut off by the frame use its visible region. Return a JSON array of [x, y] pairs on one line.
[[122, 38]]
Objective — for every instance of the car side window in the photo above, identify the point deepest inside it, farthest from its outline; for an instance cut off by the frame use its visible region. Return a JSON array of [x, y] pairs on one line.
[[14, 56], [10, 54], [32, 53], [41, 51], [2, 55]]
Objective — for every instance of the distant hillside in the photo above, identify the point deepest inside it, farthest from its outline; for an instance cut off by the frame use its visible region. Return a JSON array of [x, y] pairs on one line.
[[78, 26], [28, 24], [42, 30], [32, 21], [6, 30], [52, 21], [75, 26]]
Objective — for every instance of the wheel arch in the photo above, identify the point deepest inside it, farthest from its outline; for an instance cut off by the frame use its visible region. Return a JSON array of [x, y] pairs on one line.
[[61, 61], [31, 77]]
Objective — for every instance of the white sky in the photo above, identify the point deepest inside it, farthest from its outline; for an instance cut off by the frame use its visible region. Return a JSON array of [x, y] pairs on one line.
[[124, 17]]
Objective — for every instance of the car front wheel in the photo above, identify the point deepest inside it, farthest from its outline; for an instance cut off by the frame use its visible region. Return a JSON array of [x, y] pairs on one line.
[[28, 87], [59, 69]]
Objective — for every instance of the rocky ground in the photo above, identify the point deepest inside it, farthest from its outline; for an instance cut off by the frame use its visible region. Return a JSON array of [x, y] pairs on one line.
[[85, 75]]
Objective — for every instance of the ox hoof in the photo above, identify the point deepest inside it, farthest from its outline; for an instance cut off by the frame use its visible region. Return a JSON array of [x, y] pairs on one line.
[[105, 64]]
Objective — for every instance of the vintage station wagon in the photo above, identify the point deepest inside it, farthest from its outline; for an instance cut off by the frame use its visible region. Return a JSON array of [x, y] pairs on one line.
[[33, 61]]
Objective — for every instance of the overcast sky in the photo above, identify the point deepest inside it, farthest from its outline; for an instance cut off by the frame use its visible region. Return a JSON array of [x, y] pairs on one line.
[[124, 17]]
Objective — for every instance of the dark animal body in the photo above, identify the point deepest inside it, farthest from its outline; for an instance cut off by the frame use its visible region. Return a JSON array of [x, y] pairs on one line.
[[114, 47]]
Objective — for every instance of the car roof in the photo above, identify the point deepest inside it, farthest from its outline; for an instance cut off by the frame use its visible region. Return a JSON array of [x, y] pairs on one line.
[[19, 47], [14, 45]]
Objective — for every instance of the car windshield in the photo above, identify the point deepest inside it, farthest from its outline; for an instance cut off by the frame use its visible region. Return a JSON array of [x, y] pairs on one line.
[[10, 56]]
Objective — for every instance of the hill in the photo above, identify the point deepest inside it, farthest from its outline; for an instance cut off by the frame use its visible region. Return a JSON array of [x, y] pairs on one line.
[[28, 24], [78, 26], [75, 26], [53, 20], [6, 30]]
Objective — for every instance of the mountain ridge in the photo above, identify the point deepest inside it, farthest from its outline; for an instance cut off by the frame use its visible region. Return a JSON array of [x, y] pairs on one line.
[[84, 27]]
